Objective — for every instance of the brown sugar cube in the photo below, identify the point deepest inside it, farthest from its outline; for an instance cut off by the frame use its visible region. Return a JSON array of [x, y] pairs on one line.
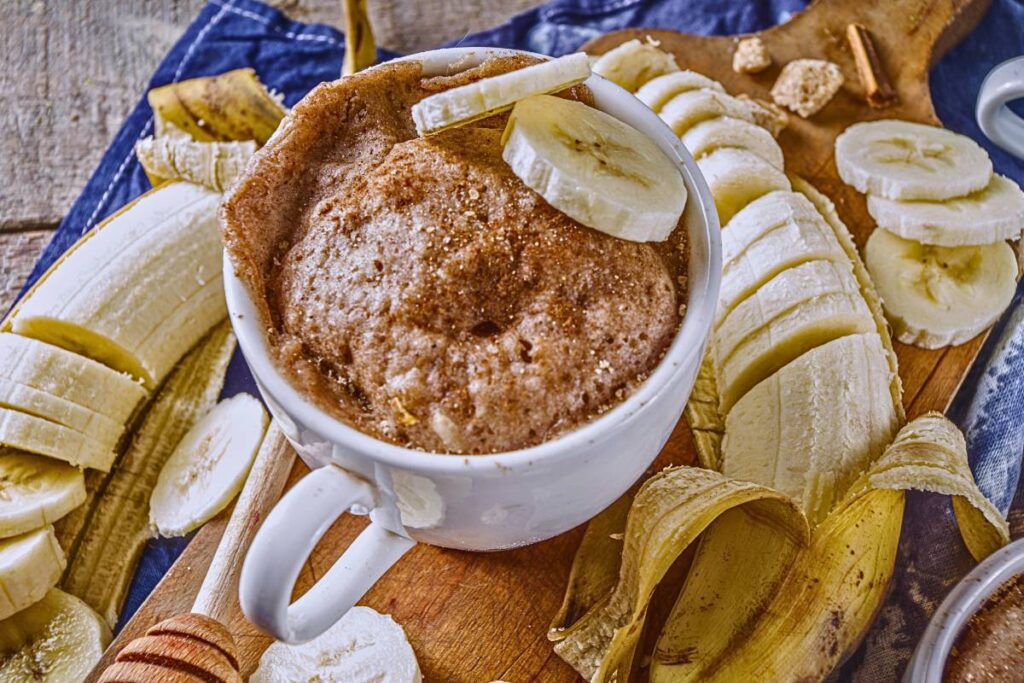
[[807, 85], [751, 56]]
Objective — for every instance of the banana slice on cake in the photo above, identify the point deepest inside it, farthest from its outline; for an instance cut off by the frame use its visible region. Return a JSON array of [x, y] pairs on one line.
[[30, 564], [363, 646], [904, 160], [634, 63], [57, 640], [737, 177], [938, 296], [594, 168], [36, 491], [688, 109], [657, 91], [776, 232], [993, 214], [208, 466], [480, 99], [725, 131], [812, 428]]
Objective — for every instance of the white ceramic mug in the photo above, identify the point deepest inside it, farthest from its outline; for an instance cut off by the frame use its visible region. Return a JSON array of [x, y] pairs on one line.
[[483, 502], [1003, 84]]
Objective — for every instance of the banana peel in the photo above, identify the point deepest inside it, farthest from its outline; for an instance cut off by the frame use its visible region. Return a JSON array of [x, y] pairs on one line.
[[214, 165], [106, 549], [231, 106], [360, 47]]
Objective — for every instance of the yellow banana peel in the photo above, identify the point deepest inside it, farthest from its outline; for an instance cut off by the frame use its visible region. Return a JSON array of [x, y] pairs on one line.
[[214, 165], [360, 47]]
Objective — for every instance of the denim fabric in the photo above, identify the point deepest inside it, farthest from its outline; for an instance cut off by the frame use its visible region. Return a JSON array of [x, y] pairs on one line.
[[291, 58]]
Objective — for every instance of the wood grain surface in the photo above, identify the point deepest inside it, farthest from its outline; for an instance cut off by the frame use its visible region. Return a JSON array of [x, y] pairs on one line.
[[71, 71], [480, 617]]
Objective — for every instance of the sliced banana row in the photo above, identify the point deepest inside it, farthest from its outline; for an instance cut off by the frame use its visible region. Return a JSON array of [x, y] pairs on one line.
[[938, 256]]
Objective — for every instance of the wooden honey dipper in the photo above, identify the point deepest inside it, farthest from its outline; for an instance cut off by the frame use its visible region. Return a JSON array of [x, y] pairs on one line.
[[196, 647]]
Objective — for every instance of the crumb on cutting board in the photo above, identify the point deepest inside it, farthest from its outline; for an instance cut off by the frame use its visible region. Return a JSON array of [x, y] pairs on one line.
[[807, 85], [751, 56]]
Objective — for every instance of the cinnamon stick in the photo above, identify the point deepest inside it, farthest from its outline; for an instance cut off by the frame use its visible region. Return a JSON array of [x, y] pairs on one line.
[[877, 90]]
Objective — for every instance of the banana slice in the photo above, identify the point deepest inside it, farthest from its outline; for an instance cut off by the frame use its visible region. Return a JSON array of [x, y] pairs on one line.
[[657, 91], [36, 491], [993, 214], [688, 109], [725, 131], [363, 646], [903, 160], [208, 466], [139, 291], [474, 101], [79, 418], [940, 296], [634, 63], [737, 177], [30, 564], [594, 168], [810, 322], [37, 435], [57, 640], [774, 233], [810, 429], [76, 379]]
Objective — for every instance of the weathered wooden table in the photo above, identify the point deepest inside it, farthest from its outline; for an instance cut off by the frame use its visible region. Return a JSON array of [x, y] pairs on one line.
[[71, 71]]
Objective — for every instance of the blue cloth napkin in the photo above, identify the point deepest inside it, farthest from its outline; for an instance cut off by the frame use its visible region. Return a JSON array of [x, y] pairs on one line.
[[291, 58]]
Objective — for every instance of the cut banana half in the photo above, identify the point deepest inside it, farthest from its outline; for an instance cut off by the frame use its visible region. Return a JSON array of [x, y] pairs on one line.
[[725, 131], [777, 232], [812, 428], [657, 91], [140, 290], [36, 491], [737, 177], [57, 640], [69, 376], [940, 296], [990, 215], [904, 160], [688, 109], [35, 402], [480, 99], [208, 466], [594, 168], [30, 565], [38, 435], [363, 646], [635, 63], [809, 323]]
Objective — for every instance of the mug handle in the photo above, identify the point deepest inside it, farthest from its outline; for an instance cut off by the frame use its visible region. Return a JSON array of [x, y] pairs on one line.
[[997, 122], [285, 541]]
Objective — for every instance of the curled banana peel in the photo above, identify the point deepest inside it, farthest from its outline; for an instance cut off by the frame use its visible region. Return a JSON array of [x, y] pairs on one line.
[[231, 106], [214, 165], [761, 601], [360, 47]]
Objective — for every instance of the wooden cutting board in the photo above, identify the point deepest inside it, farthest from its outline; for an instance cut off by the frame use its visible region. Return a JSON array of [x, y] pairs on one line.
[[479, 617]]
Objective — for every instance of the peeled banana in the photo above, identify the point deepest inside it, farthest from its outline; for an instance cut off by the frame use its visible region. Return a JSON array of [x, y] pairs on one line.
[[905, 161], [480, 99], [737, 177], [725, 131], [689, 108], [30, 564], [937, 296], [37, 435], [208, 466], [56, 640], [78, 418], [992, 214], [634, 63], [594, 168], [138, 291], [657, 91], [36, 491]]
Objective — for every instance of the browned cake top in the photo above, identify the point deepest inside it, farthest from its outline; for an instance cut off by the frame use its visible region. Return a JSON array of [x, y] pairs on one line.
[[418, 290], [991, 646]]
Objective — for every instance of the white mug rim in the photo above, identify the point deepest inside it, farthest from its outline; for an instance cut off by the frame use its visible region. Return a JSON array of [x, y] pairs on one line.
[[682, 353]]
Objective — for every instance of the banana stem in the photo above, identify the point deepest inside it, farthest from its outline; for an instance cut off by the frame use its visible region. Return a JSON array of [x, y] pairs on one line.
[[218, 596]]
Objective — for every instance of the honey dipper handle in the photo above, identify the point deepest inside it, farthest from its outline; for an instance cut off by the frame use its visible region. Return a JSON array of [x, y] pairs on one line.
[[217, 597]]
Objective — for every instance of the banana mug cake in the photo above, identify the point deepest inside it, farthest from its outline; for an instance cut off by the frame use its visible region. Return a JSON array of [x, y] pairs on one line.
[[424, 253]]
